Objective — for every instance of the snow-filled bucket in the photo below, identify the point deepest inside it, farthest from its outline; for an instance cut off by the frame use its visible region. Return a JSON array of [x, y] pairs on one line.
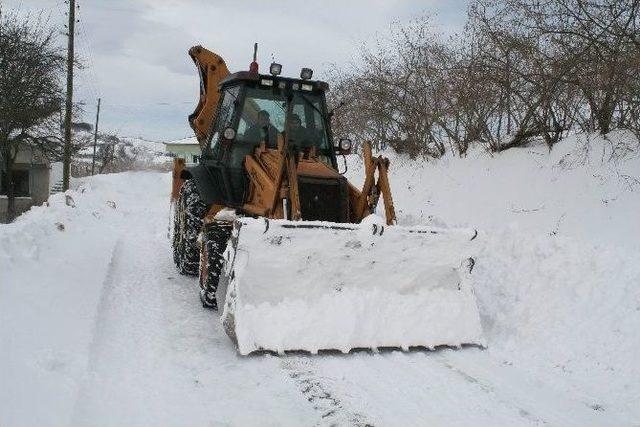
[[313, 286]]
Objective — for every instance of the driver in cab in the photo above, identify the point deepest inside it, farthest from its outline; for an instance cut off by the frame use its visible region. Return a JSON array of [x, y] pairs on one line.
[[263, 131], [298, 135]]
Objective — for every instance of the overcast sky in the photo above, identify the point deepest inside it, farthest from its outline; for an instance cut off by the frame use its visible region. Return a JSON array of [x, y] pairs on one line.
[[135, 51]]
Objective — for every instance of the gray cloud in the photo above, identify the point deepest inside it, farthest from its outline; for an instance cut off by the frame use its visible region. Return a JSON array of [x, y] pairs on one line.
[[135, 50]]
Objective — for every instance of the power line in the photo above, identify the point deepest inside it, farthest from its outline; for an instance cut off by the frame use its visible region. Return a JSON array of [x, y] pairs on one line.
[[87, 47], [155, 104], [87, 75]]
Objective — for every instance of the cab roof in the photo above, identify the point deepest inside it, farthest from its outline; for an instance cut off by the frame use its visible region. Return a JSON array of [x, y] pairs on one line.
[[247, 76]]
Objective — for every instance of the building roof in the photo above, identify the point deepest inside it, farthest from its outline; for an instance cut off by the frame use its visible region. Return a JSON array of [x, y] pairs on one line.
[[191, 140]]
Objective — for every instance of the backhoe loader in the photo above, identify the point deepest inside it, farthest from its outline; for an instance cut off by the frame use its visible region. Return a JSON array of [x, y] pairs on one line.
[[286, 248]]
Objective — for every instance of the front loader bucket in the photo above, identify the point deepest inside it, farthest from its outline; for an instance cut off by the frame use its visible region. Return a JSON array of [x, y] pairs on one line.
[[312, 286]]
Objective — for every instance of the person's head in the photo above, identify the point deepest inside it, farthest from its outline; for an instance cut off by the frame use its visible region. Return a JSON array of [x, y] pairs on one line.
[[263, 118], [295, 121]]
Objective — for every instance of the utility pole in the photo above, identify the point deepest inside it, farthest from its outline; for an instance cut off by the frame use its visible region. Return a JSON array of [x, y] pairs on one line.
[[66, 165], [95, 138]]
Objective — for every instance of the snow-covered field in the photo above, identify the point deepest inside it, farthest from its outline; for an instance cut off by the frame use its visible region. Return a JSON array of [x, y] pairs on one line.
[[97, 328]]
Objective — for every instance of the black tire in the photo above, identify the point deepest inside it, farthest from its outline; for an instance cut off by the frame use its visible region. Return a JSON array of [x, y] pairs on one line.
[[215, 237], [174, 236], [188, 216]]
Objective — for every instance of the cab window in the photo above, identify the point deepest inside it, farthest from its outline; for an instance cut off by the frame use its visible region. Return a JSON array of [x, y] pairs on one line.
[[224, 117], [263, 108], [262, 119]]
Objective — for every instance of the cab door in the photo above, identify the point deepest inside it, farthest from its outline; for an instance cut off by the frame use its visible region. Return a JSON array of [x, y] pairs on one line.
[[229, 173], [222, 185]]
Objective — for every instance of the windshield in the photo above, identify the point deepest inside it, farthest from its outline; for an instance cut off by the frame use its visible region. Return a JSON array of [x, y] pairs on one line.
[[264, 118], [307, 128]]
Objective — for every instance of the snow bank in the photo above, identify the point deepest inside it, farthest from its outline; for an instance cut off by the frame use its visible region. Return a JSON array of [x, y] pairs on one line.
[[53, 262], [558, 269], [586, 188], [567, 311], [344, 287]]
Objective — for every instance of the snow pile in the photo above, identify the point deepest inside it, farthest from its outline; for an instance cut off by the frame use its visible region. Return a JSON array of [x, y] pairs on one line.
[[561, 307], [137, 153], [53, 262], [558, 269], [345, 287], [148, 152], [587, 188]]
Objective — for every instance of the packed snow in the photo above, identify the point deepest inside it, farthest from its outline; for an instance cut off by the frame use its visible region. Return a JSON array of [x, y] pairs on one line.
[[97, 328]]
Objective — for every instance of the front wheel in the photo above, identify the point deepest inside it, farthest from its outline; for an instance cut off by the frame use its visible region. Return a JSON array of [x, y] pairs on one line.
[[188, 217], [215, 237]]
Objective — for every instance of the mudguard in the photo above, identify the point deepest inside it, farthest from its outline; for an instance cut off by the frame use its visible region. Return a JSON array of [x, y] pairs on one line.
[[210, 188]]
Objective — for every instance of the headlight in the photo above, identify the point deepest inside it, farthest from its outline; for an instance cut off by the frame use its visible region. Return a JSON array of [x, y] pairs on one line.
[[306, 87], [266, 82], [345, 144], [229, 133]]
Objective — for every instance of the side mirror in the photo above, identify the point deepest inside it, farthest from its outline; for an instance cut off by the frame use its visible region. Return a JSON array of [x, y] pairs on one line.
[[344, 146]]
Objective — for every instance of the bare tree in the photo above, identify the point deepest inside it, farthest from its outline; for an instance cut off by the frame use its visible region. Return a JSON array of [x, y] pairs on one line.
[[580, 48], [30, 92], [522, 70]]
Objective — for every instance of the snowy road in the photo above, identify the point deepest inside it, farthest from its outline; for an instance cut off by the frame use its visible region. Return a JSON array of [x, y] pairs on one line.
[[157, 357], [144, 352]]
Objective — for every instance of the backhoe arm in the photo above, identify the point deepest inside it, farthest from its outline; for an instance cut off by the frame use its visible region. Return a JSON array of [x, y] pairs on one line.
[[368, 198], [212, 70]]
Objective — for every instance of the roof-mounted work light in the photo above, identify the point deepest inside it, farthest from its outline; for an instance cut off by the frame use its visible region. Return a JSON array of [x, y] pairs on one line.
[[275, 69], [306, 74]]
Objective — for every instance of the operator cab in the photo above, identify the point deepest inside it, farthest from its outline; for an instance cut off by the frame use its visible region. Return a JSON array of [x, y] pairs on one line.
[[255, 107]]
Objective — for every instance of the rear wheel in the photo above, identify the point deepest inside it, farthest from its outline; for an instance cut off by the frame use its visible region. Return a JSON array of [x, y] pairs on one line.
[[214, 242], [188, 216]]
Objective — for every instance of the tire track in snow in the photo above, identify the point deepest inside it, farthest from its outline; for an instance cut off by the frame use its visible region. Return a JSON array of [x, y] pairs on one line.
[[332, 410], [105, 294], [127, 318], [453, 386], [487, 388], [534, 401], [413, 389], [101, 314], [158, 358]]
